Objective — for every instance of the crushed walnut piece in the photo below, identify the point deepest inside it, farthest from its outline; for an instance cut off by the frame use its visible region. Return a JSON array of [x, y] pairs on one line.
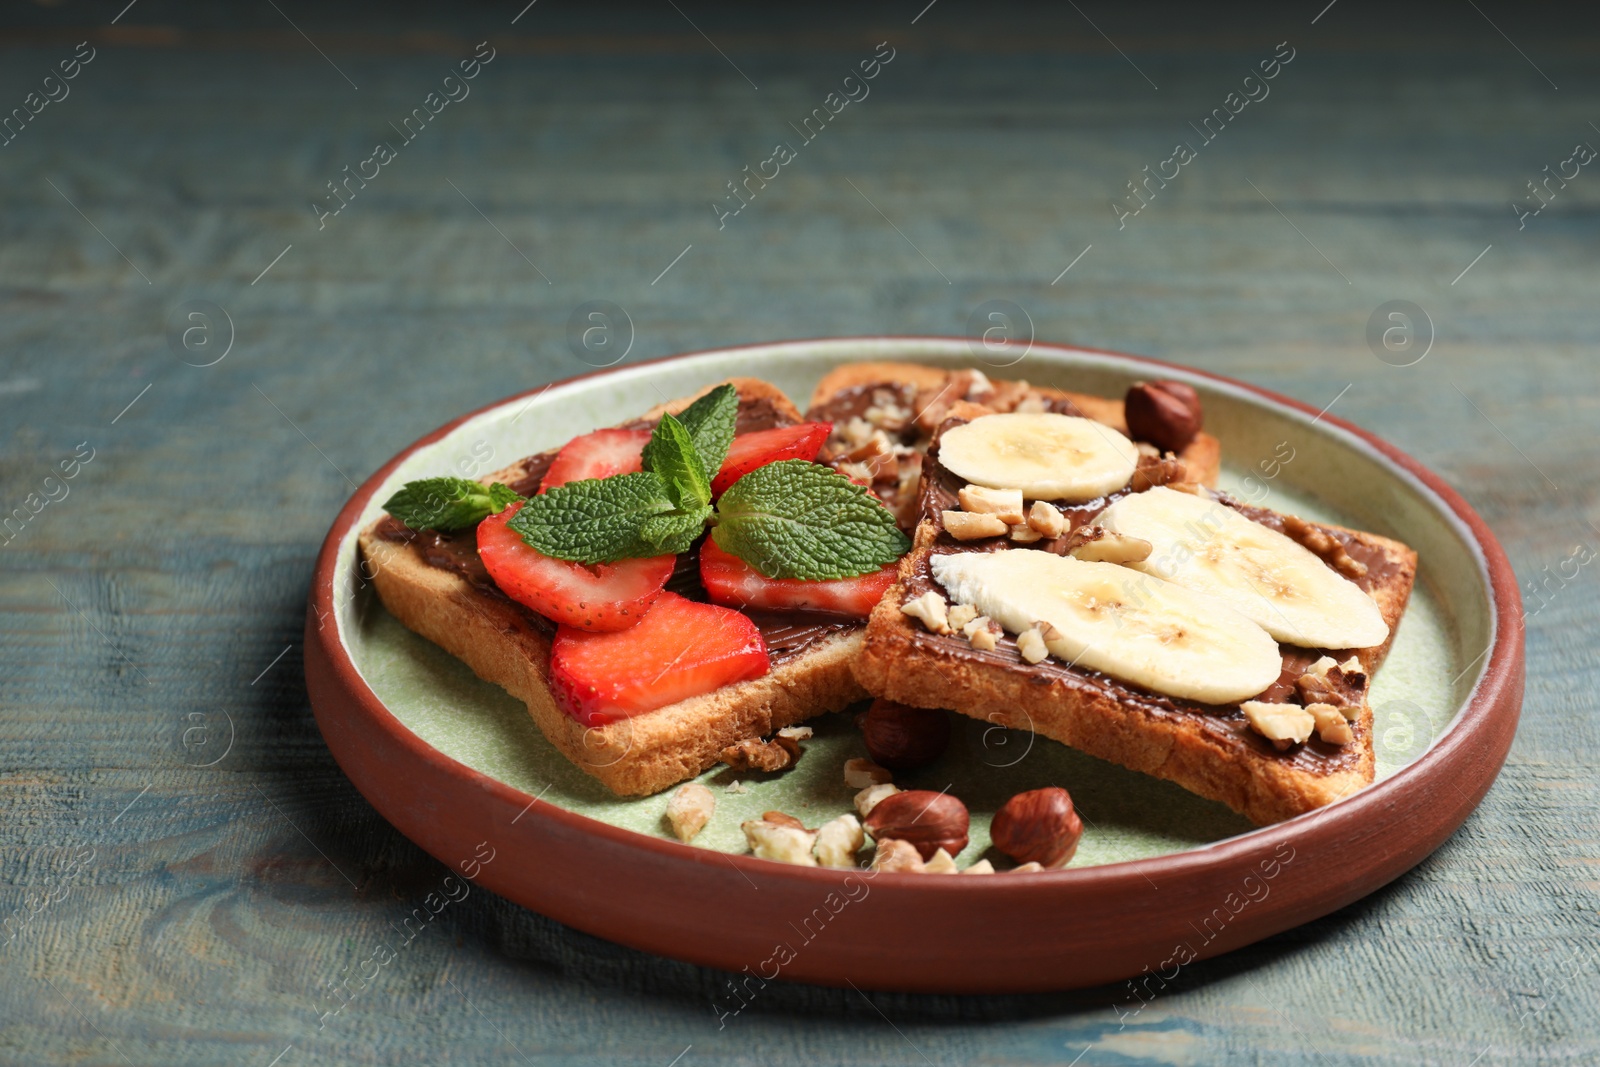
[[932, 609], [1325, 545], [1004, 504], [1046, 518], [1023, 534], [983, 633], [1031, 646], [1155, 470], [1327, 683], [961, 614], [1332, 726], [689, 809], [838, 841], [779, 841], [967, 526], [779, 754], [1282, 724], [1096, 544], [873, 795], [861, 773], [897, 855]]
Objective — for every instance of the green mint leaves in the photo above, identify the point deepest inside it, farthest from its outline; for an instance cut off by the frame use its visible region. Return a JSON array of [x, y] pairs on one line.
[[447, 503], [795, 519], [790, 519]]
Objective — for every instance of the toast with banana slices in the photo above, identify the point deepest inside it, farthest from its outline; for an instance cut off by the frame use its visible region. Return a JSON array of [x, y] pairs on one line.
[[884, 415], [1170, 629], [453, 587]]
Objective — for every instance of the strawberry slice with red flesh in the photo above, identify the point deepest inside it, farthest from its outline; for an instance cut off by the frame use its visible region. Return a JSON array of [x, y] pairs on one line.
[[680, 649], [597, 455], [730, 580], [601, 596], [752, 450]]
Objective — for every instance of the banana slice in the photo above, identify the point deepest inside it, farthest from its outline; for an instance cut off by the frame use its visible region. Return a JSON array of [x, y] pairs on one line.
[[1267, 576], [1047, 456], [1133, 627]]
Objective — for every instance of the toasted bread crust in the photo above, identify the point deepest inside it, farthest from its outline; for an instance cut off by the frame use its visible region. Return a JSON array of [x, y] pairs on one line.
[[504, 644], [901, 662]]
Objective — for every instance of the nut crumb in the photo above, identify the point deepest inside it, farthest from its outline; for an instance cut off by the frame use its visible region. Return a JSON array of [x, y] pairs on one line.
[[797, 733], [689, 809], [1045, 518], [772, 841], [1023, 534], [1332, 726], [984, 640], [861, 773], [1003, 504], [1028, 868], [941, 863], [838, 841], [778, 818], [779, 754], [869, 797], [737, 787], [1096, 544], [967, 526], [960, 615], [981, 867], [896, 855], [1325, 545], [1282, 724], [930, 607], [1031, 646]]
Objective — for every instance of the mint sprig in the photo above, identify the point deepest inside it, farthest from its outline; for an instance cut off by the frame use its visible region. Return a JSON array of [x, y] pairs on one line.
[[448, 503], [797, 519], [671, 455]]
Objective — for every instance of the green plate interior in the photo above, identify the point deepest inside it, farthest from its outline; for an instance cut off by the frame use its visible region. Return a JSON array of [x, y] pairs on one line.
[[1329, 476]]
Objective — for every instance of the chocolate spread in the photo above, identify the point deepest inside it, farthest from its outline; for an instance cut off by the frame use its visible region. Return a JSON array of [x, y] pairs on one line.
[[1225, 723], [787, 633]]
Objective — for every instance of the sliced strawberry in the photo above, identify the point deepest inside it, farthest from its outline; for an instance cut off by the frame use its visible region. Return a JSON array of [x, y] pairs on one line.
[[596, 455], [680, 649], [604, 596], [730, 580], [752, 450]]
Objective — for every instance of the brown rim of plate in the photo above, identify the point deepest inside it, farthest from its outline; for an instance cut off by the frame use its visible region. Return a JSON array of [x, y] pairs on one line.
[[1000, 933]]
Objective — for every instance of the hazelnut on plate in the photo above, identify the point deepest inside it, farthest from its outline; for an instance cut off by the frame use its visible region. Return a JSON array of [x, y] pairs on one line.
[[901, 737], [926, 820], [1039, 826]]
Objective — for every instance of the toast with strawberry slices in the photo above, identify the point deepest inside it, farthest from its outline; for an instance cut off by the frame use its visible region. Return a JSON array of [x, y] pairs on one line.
[[884, 415], [442, 586]]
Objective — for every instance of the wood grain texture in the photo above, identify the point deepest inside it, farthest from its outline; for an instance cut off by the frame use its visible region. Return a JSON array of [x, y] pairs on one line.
[[159, 911]]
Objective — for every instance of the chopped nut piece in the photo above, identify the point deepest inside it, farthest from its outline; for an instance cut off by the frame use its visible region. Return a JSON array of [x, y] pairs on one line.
[[798, 733], [896, 855], [1027, 868], [1354, 672], [1096, 544], [941, 863], [1332, 726], [961, 614], [838, 841], [861, 773], [1282, 724], [1004, 504], [981, 634], [972, 384], [1024, 534], [1326, 682], [876, 445], [1031, 646], [857, 432], [737, 787], [1152, 471], [975, 624], [1046, 518], [779, 754], [778, 818], [774, 841], [869, 797], [1056, 642], [965, 526], [981, 867], [1032, 404], [689, 809], [1325, 545], [930, 607]]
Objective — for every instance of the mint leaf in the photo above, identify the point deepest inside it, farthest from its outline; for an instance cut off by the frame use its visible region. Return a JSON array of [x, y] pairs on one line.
[[598, 520], [447, 503], [710, 421], [671, 455], [797, 519], [675, 531]]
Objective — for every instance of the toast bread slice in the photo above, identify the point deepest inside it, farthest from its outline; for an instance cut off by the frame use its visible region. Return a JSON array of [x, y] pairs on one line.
[[1208, 750], [919, 398], [435, 585]]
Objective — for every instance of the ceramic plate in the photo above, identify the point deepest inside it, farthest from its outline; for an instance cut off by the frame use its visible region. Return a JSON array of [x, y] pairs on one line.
[[1161, 876]]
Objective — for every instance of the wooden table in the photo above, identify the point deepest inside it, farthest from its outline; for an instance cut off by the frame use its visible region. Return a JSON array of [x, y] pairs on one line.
[[174, 898]]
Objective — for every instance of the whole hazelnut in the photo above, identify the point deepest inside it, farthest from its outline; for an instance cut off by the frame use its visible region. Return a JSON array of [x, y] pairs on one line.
[[901, 737], [1165, 413], [1039, 826], [926, 820]]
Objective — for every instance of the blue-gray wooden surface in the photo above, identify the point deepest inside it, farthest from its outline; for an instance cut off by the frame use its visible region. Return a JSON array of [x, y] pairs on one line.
[[158, 911]]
